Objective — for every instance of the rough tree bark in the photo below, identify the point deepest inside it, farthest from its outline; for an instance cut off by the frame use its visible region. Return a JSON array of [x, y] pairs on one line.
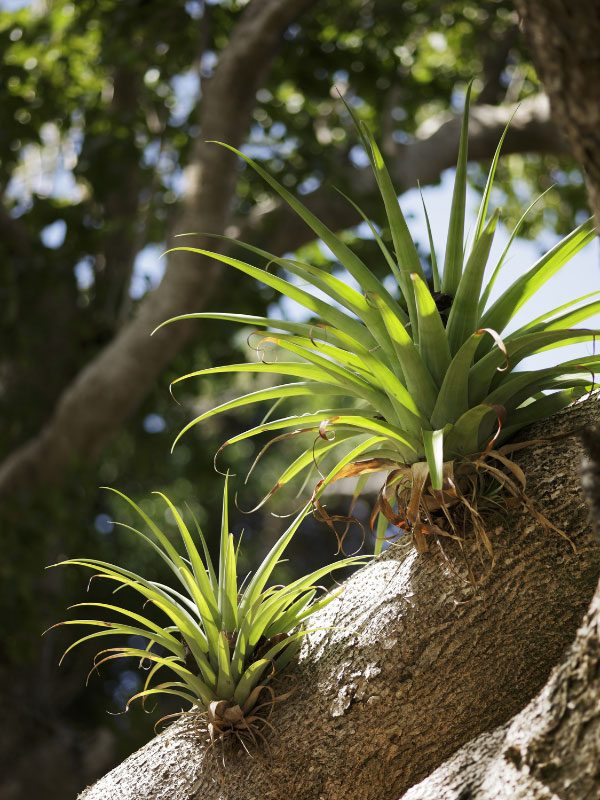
[[409, 675], [111, 386], [551, 749], [564, 40]]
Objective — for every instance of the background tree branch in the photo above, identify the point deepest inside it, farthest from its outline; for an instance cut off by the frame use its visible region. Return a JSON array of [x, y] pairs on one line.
[[112, 384]]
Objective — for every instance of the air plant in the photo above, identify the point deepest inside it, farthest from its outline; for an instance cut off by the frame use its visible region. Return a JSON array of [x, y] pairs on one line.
[[219, 645], [431, 373]]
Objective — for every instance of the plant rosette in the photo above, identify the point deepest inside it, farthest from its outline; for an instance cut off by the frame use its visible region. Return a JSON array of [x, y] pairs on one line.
[[431, 372], [221, 645]]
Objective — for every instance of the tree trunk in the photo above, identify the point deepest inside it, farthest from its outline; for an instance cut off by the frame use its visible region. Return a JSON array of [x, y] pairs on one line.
[[564, 40], [411, 671]]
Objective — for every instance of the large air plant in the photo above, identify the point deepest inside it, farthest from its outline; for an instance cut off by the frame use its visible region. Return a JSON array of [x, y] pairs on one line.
[[435, 392], [218, 645]]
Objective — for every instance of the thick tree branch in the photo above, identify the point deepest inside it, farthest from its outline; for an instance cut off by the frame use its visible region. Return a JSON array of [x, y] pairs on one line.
[[407, 675], [111, 387], [551, 749]]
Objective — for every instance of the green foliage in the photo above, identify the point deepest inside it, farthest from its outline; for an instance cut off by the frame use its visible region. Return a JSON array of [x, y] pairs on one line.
[[430, 388], [221, 643]]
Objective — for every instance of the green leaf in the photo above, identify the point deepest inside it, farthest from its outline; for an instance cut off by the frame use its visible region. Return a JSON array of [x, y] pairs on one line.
[[350, 457], [249, 680], [485, 374], [422, 390], [464, 314], [540, 409], [486, 293], [548, 321], [178, 615], [507, 305], [225, 683], [433, 442], [199, 570], [456, 228], [196, 685], [433, 343], [306, 388], [479, 225], [306, 459], [289, 619], [437, 283], [263, 573], [382, 525], [402, 316], [211, 571], [354, 421], [227, 571], [464, 439], [117, 629], [453, 398], [334, 288], [326, 311], [406, 252], [359, 271], [318, 331]]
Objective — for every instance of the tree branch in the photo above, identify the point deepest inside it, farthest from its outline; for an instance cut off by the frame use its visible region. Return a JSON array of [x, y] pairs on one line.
[[111, 386], [406, 675], [433, 150]]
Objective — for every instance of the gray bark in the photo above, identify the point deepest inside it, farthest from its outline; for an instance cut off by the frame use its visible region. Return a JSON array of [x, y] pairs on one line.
[[551, 749], [408, 676]]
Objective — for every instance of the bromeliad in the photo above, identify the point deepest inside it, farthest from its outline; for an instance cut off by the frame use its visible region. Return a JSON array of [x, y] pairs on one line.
[[219, 645], [430, 371]]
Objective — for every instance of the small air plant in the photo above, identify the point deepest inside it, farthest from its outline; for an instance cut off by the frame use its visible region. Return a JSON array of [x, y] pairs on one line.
[[431, 373], [221, 645]]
